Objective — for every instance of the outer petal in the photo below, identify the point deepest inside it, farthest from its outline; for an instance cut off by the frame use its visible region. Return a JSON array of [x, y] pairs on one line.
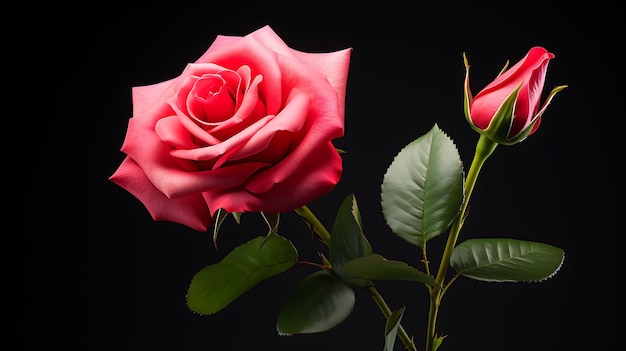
[[335, 67], [314, 178], [325, 124], [190, 210], [522, 70], [144, 97]]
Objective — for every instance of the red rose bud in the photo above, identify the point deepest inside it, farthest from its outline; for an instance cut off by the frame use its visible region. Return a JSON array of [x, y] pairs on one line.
[[508, 110]]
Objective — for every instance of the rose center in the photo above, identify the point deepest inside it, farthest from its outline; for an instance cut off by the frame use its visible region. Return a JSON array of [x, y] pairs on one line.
[[213, 95]]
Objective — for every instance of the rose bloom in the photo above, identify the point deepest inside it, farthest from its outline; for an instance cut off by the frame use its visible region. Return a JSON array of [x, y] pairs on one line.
[[248, 127], [509, 108]]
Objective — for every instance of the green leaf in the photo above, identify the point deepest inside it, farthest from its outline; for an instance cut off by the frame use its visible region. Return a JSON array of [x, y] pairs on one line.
[[391, 328], [422, 190], [216, 286], [506, 260], [318, 303], [376, 267], [347, 240]]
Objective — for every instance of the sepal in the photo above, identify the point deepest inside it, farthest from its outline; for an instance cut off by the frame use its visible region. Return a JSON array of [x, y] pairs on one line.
[[549, 99], [500, 126]]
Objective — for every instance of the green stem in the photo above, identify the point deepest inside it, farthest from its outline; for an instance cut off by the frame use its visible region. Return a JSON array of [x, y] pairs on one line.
[[484, 148], [314, 222], [324, 235]]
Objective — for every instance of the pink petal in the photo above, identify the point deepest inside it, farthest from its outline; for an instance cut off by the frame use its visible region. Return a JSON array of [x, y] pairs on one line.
[[166, 173], [212, 151], [290, 119], [313, 179], [334, 66], [170, 130], [190, 210]]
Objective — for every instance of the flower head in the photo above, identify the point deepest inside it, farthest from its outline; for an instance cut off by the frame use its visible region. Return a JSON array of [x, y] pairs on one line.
[[248, 127]]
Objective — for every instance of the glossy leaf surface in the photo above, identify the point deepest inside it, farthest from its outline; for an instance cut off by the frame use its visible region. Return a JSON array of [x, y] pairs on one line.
[[376, 267], [318, 303], [506, 260], [216, 286], [347, 240], [422, 190]]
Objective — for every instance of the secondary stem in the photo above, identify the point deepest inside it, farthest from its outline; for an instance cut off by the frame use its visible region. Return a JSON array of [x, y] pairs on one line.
[[484, 148], [324, 235]]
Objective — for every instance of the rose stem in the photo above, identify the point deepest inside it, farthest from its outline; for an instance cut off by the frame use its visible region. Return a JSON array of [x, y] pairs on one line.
[[484, 148]]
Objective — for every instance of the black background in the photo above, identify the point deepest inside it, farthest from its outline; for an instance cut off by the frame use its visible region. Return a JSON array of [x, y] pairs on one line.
[[94, 272]]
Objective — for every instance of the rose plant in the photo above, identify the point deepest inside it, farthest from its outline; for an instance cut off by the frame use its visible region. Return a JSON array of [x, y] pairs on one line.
[[249, 127]]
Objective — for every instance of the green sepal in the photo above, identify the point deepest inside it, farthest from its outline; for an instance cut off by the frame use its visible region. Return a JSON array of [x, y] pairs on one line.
[[467, 95], [220, 215], [218, 219], [506, 260], [215, 286], [502, 121], [272, 220], [316, 304], [523, 134], [551, 95]]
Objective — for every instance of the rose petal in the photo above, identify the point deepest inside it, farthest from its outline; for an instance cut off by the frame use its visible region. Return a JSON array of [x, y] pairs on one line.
[[315, 178], [247, 50], [290, 119], [171, 131], [212, 151], [190, 210], [167, 175], [144, 97], [334, 66]]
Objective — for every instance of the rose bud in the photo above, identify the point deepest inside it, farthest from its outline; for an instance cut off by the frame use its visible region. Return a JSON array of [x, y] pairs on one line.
[[508, 109]]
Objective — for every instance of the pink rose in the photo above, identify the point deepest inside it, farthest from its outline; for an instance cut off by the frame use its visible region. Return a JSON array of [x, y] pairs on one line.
[[509, 109], [248, 127]]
